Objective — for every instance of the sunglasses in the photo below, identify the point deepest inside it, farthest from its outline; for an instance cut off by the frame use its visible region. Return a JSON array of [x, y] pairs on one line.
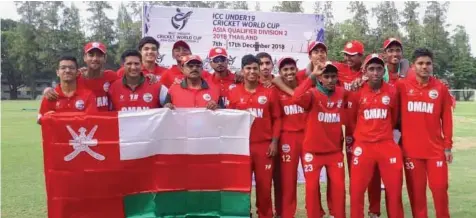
[[219, 59]]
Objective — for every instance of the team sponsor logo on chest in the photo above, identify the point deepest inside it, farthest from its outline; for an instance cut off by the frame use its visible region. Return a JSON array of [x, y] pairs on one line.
[[420, 107], [433, 94], [262, 99], [258, 112], [375, 113], [134, 108], [79, 104], [293, 109], [102, 101], [147, 97], [207, 97], [328, 117]]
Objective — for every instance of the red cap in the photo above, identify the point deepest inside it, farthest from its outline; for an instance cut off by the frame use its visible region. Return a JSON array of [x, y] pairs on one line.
[[216, 52], [371, 57], [314, 44], [389, 41], [354, 47], [330, 65], [95, 45], [282, 60], [188, 58], [181, 43]]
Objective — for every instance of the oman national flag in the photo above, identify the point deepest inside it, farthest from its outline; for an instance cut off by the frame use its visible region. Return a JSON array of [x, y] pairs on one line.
[[156, 163]]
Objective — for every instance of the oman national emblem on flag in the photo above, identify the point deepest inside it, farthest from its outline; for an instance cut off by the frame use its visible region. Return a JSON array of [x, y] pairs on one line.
[[155, 163]]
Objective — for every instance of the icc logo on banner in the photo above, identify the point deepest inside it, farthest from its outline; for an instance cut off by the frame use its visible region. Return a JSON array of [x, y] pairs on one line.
[[180, 19], [160, 58]]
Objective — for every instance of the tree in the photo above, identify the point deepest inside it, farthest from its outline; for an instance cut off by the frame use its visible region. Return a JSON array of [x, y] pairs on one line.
[[436, 37], [195, 4], [10, 65], [412, 27], [360, 23], [462, 65], [239, 5], [127, 37], [72, 33], [387, 23], [24, 45], [257, 6], [288, 6], [102, 30]]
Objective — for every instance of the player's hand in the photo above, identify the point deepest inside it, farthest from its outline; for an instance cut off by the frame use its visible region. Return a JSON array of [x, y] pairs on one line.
[[273, 149], [318, 69], [152, 78], [268, 84], [357, 83], [449, 156], [169, 106], [49, 113], [212, 105], [177, 81], [50, 94], [82, 70], [239, 77]]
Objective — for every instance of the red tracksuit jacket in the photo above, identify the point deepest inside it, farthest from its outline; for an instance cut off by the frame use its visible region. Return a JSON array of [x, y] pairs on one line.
[[426, 118], [144, 97], [100, 87], [264, 104], [326, 115], [294, 116], [376, 113]]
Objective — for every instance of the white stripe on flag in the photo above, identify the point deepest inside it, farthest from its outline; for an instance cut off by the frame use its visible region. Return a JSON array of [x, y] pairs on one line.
[[183, 131]]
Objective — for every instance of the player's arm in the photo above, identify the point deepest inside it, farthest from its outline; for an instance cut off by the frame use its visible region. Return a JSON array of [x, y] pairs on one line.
[[276, 114], [395, 108], [278, 82], [302, 96], [91, 106], [45, 108], [352, 109], [168, 102], [447, 119]]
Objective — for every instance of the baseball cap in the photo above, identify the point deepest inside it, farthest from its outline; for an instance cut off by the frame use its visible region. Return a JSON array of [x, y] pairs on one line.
[[328, 66], [285, 59], [354, 47], [95, 45], [181, 43], [373, 57], [188, 58], [390, 41], [314, 44], [216, 52]]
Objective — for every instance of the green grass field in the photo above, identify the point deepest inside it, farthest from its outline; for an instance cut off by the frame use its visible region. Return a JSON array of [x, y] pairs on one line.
[[23, 189]]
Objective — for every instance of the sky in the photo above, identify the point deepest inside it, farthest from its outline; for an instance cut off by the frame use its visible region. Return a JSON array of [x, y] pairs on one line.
[[459, 13]]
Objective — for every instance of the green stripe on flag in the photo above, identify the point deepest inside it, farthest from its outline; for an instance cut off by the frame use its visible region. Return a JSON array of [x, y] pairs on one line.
[[188, 204]]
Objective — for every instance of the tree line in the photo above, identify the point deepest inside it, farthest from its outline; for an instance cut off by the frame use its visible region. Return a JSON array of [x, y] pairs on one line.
[[46, 30]]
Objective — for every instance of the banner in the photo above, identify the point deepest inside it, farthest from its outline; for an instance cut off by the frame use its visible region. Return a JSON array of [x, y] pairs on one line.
[[240, 32], [154, 163]]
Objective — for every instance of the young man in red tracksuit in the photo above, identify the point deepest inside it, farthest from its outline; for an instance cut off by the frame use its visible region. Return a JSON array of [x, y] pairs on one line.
[[71, 98], [375, 107], [290, 142], [427, 126], [132, 92], [222, 76], [149, 49], [265, 131], [322, 145]]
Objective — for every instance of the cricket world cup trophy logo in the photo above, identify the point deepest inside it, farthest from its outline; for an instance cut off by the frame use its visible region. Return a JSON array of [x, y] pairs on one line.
[[180, 19]]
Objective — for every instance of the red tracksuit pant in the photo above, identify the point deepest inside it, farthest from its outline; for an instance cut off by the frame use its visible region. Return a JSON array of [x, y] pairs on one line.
[[417, 173], [387, 156], [285, 173], [313, 164], [374, 189], [262, 166]]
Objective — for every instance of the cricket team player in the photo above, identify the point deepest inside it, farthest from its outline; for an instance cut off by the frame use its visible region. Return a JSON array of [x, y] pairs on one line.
[[132, 92]]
